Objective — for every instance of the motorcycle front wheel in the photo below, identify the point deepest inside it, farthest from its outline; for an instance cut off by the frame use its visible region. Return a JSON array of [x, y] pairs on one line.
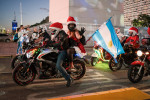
[[81, 69], [94, 61], [23, 76], [133, 73], [16, 61], [115, 66]]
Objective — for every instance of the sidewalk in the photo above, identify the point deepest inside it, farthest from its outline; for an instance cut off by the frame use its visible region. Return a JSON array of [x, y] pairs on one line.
[[8, 49], [119, 94]]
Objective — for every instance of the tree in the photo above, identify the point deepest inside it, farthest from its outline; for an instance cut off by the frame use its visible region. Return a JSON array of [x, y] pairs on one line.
[[143, 20], [46, 20]]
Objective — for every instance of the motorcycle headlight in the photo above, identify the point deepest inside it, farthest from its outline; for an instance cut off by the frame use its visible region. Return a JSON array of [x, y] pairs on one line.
[[29, 54], [147, 53], [139, 53]]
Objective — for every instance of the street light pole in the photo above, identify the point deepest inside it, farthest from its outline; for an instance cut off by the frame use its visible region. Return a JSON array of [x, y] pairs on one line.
[[21, 12]]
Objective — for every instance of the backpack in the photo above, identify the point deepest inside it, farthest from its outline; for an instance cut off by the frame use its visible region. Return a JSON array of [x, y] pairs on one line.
[[16, 37]]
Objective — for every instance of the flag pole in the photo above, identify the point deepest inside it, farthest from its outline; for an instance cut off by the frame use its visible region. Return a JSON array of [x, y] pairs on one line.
[[90, 37], [21, 12]]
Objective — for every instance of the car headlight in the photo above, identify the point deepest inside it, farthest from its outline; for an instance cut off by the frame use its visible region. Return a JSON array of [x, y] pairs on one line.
[[139, 53]]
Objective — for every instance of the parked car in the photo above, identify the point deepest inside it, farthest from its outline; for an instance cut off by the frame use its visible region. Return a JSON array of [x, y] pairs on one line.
[[5, 37]]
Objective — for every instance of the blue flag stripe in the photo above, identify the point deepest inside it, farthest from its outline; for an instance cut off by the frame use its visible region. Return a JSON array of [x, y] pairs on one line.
[[113, 36], [115, 39]]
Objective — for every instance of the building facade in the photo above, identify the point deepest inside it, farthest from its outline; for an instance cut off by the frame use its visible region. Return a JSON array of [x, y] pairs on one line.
[[133, 8], [88, 13]]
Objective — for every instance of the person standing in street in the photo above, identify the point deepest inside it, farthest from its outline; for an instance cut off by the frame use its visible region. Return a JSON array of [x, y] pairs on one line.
[[20, 39]]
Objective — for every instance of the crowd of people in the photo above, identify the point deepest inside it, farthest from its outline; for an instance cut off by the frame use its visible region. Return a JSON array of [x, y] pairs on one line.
[[65, 41]]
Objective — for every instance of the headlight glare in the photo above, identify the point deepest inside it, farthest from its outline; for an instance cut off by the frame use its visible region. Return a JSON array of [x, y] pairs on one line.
[[147, 53], [139, 53]]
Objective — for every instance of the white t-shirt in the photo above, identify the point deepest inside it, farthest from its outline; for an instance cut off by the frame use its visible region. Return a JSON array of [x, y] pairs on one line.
[[21, 39], [20, 34]]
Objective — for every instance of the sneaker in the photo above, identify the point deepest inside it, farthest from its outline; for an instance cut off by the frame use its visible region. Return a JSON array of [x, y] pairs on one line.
[[69, 82]]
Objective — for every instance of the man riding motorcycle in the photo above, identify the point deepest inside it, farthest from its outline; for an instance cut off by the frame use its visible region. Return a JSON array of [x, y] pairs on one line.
[[134, 38], [129, 56], [60, 41]]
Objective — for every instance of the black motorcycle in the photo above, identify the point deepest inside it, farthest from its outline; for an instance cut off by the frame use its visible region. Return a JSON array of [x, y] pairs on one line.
[[123, 59], [26, 71]]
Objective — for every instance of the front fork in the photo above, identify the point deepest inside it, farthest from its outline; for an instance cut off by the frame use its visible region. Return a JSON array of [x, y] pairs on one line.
[[31, 65], [140, 69]]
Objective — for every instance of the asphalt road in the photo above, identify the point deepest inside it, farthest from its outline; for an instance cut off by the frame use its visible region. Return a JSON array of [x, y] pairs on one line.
[[98, 78]]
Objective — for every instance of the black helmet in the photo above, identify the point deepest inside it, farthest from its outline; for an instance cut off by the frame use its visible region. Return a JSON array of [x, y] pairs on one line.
[[71, 26]]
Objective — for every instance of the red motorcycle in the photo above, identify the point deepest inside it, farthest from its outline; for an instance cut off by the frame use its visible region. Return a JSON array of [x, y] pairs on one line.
[[141, 67]]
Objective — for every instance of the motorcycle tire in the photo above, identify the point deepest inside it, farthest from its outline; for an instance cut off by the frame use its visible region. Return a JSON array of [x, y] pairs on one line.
[[20, 78], [115, 66], [13, 63], [93, 61], [81, 69], [132, 73]]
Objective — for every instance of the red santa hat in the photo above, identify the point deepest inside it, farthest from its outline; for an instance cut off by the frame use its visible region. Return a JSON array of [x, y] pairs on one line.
[[71, 20], [56, 26], [134, 30]]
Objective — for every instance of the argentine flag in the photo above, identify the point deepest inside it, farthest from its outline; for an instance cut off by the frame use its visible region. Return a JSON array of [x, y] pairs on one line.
[[106, 37]]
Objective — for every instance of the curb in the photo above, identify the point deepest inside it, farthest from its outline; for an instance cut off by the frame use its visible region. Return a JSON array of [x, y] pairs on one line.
[[118, 94], [7, 56]]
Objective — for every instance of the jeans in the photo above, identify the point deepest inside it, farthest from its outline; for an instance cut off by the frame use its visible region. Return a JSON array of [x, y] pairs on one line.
[[62, 55], [19, 47]]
